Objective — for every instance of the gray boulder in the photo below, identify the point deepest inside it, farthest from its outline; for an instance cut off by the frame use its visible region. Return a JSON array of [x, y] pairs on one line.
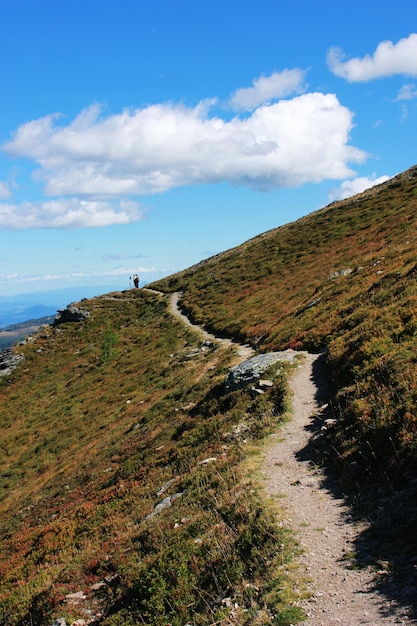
[[250, 371]]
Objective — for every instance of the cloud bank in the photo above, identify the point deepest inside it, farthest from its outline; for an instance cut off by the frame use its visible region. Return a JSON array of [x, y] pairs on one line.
[[89, 162], [388, 59], [68, 213]]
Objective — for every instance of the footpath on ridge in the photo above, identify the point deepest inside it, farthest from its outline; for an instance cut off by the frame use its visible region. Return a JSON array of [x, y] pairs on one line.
[[341, 594]]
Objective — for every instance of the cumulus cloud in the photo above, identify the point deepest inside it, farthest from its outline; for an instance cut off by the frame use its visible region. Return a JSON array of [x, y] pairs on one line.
[[4, 191], [268, 88], [407, 92], [351, 187], [388, 59], [68, 213], [159, 147]]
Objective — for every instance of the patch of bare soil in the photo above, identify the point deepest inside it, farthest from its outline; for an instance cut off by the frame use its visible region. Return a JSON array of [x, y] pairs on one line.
[[341, 592]]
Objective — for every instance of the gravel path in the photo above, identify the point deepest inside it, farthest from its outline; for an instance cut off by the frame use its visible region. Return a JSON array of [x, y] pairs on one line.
[[339, 594]]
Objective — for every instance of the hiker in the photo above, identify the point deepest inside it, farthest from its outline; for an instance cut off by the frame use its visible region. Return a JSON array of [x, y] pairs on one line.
[[136, 280]]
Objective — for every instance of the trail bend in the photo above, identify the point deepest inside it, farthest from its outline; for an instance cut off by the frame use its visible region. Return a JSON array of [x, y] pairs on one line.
[[243, 352]]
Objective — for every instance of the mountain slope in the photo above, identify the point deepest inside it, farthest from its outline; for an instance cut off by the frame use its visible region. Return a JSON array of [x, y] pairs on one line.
[[342, 280], [124, 496], [16, 332]]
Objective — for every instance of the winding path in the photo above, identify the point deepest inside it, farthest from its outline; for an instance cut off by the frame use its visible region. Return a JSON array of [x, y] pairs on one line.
[[243, 352], [340, 595]]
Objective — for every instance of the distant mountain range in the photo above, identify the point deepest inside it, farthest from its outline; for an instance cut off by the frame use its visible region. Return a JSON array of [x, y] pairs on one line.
[[31, 306]]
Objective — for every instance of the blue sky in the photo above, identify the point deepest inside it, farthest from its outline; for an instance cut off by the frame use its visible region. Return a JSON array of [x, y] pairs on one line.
[[143, 136]]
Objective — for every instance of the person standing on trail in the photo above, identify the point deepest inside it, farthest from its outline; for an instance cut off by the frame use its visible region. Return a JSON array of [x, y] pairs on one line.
[[136, 280]]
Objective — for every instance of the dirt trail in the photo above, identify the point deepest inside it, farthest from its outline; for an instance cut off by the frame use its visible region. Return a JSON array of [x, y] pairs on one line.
[[243, 352], [340, 595]]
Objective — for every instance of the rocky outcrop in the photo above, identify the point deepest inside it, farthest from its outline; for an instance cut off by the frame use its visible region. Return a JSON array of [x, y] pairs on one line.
[[9, 359], [71, 314], [250, 371]]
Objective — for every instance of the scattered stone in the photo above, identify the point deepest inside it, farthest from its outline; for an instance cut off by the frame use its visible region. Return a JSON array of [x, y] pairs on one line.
[[188, 407], [165, 487], [75, 598], [266, 383], [9, 360], [192, 353], [209, 460], [164, 504], [344, 272], [313, 303], [236, 432], [98, 586]]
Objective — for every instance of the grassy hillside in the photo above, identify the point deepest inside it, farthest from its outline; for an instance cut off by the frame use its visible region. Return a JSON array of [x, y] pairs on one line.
[[104, 421], [342, 279]]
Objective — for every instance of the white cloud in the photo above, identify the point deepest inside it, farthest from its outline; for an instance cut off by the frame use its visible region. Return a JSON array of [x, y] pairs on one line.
[[4, 191], [150, 150], [267, 88], [68, 213], [351, 187], [407, 92], [388, 59]]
